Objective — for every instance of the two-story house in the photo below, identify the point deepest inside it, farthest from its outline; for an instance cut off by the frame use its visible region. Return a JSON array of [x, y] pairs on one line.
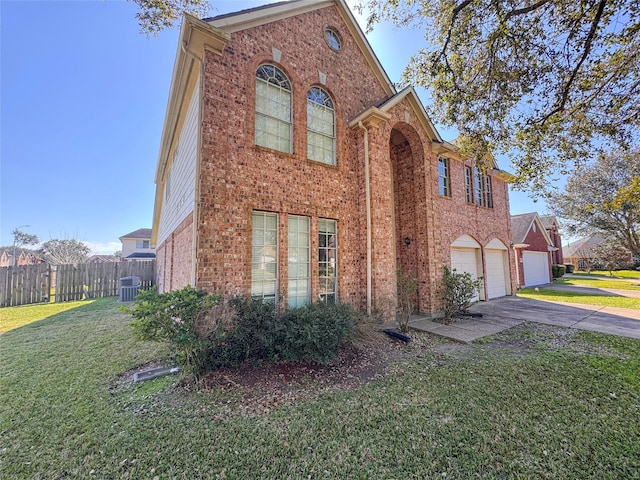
[[291, 168], [136, 246]]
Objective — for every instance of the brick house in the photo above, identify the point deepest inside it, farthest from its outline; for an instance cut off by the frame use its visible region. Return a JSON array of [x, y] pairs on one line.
[[534, 250], [291, 168], [550, 224]]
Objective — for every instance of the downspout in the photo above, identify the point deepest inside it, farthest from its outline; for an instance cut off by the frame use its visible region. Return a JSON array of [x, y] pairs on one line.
[[367, 189]]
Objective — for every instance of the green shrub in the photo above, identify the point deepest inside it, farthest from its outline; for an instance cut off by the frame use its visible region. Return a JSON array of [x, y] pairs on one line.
[[456, 291], [558, 271], [257, 330], [315, 332], [310, 333], [190, 320]]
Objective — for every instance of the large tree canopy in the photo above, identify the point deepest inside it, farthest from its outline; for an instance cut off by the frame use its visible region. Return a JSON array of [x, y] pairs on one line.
[[547, 82], [596, 199]]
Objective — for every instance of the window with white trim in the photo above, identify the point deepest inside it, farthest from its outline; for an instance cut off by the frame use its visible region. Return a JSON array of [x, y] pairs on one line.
[[273, 109], [299, 269], [327, 260], [468, 184], [478, 187], [143, 243], [488, 192], [444, 183], [321, 130], [264, 255]]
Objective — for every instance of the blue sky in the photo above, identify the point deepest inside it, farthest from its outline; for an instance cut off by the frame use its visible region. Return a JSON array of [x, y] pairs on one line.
[[82, 103]]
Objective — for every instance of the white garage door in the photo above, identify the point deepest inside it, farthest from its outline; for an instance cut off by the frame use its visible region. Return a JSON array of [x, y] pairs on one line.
[[496, 278], [536, 268], [464, 260]]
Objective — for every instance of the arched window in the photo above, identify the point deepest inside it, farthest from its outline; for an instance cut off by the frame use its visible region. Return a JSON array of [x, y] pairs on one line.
[[321, 130], [273, 108]]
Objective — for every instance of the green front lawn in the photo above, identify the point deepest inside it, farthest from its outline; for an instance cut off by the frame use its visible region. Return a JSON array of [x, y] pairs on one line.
[[599, 282], [579, 297], [632, 274], [534, 402]]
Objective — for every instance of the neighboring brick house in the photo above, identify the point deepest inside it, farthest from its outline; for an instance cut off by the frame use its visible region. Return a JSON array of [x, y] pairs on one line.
[[291, 168], [136, 246], [582, 253], [22, 258], [534, 249], [551, 226]]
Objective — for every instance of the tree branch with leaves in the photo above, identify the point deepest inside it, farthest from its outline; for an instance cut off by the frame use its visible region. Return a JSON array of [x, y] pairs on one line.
[[550, 83]]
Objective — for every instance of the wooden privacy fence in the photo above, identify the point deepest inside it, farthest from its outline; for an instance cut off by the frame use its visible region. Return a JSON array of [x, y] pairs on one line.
[[24, 284], [65, 283]]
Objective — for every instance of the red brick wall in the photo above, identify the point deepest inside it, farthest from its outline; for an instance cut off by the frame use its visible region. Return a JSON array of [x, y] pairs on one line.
[[174, 257], [536, 240], [238, 177]]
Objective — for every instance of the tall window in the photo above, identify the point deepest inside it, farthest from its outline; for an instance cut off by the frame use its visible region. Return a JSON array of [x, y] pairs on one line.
[[273, 109], [478, 188], [327, 260], [264, 255], [444, 183], [488, 193], [299, 277], [320, 126], [468, 184]]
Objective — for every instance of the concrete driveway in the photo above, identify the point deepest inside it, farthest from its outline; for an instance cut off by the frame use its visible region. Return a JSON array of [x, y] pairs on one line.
[[503, 313]]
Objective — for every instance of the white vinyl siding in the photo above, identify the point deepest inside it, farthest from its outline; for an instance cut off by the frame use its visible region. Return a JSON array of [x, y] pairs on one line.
[[299, 271], [179, 202], [264, 255]]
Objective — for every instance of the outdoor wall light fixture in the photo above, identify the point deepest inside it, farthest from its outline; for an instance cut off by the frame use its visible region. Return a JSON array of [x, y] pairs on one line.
[[407, 241]]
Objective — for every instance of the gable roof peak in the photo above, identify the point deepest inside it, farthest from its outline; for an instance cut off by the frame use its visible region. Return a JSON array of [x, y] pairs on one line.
[[257, 16]]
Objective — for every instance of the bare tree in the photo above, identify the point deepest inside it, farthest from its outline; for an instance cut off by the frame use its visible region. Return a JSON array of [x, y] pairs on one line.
[[65, 252]]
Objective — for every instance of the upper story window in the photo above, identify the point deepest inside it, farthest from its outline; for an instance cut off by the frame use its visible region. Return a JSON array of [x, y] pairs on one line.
[[321, 128], [444, 181], [273, 109], [333, 39], [143, 243], [478, 187], [468, 184]]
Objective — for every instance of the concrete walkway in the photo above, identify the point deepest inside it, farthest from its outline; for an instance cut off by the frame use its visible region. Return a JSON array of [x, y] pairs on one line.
[[504, 313]]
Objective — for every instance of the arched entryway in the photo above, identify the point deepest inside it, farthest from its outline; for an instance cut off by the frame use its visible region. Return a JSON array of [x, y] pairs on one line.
[[407, 170]]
